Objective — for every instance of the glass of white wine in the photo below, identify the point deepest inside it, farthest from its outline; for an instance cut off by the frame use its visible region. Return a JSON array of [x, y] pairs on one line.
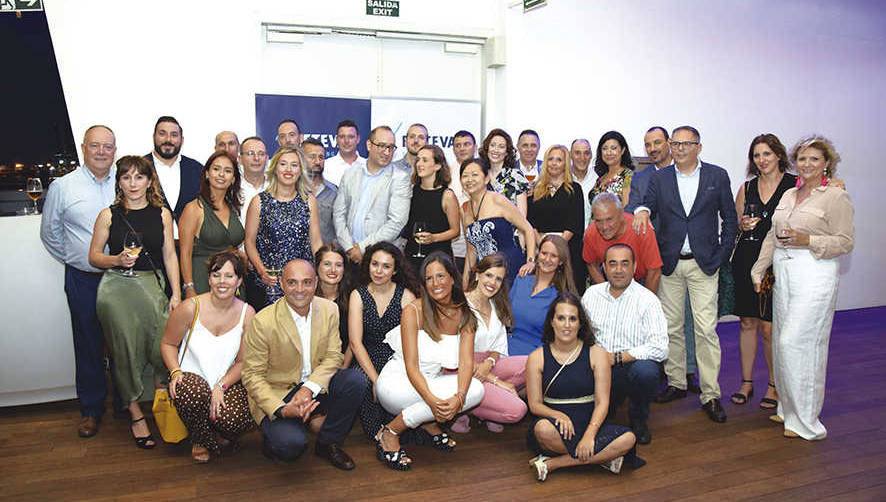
[[419, 227], [132, 246], [753, 211], [33, 189], [274, 271]]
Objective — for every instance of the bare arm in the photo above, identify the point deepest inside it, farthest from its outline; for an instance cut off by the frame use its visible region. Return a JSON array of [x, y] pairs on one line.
[[355, 336], [453, 216], [595, 273], [170, 259], [519, 221], [314, 224], [653, 276], [409, 340], [188, 228], [100, 234]]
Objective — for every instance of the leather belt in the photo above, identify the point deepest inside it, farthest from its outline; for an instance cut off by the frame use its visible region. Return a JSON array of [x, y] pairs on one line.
[[688, 256]]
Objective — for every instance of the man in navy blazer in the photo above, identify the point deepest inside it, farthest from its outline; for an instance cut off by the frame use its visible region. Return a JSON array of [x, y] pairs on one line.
[[179, 175], [689, 198]]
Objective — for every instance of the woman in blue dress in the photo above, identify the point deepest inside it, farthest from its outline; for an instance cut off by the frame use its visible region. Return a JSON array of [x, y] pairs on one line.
[[567, 388], [489, 220], [281, 224]]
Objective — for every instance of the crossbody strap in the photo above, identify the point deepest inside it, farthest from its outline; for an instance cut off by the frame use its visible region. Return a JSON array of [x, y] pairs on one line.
[[568, 359], [144, 249], [191, 329]]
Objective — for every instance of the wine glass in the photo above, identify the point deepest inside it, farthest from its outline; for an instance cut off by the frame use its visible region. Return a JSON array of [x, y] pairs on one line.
[[418, 228], [753, 211], [132, 245], [783, 235], [33, 189]]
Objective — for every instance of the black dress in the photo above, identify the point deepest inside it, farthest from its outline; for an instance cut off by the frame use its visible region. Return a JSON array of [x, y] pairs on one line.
[[563, 211], [576, 380], [426, 206], [747, 302]]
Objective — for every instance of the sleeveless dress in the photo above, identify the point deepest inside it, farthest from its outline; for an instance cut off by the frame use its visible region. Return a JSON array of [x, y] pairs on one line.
[[213, 237], [747, 301], [283, 235], [558, 213], [496, 235], [576, 380], [426, 206]]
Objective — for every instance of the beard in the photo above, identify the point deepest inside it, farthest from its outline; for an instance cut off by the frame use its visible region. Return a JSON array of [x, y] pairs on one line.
[[165, 155]]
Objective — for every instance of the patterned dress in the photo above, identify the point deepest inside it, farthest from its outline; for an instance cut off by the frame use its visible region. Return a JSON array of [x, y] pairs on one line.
[[616, 185], [510, 182], [496, 235], [283, 235]]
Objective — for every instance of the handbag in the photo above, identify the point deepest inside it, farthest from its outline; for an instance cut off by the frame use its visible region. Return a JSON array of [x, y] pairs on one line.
[[766, 289], [171, 427]]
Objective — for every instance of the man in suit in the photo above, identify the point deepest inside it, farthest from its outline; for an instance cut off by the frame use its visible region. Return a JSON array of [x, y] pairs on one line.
[[179, 175], [291, 358], [688, 198], [372, 204]]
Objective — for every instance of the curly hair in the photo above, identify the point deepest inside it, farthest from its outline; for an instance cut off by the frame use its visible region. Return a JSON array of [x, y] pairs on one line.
[[777, 148], [502, 298], [431, 310], [302, 185], [544, 178], [818, 142], [627, 161], [403, 274], [232, 195], [144, 167], [510, 152], [585, 333]]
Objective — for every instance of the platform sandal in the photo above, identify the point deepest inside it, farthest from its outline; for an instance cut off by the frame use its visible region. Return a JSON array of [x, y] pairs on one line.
[[396, 460]]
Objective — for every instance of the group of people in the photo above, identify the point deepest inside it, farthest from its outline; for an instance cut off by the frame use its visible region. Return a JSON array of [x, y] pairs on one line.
[[384, 290]]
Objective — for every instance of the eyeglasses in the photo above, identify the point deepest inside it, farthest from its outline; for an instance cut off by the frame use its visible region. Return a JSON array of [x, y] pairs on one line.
[[683, 144], [383, 147], [253, 153]]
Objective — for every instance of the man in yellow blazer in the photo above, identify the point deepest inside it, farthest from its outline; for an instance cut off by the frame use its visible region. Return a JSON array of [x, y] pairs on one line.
[[292, 355]]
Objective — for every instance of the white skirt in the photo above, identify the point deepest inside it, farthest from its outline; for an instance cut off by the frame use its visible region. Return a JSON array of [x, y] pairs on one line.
[[804, 298]]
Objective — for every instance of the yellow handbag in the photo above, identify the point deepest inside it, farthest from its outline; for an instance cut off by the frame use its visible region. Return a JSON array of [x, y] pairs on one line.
[[172, 429]]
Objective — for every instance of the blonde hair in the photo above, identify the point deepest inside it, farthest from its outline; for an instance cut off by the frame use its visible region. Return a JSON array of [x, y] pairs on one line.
[[818, 142], [302, 185], [544, 178]]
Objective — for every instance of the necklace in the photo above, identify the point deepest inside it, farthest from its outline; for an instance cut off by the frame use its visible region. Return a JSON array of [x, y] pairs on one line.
[[476, 213]]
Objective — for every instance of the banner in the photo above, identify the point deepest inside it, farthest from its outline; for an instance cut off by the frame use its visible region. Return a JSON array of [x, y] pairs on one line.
[[316, 117]]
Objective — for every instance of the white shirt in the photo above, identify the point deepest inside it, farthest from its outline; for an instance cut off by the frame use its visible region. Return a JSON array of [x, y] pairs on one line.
[[335, 167], [304, 332], [687, 185], [633, 322], [492, 337], [248, 191], [586, 185], [170, 181]]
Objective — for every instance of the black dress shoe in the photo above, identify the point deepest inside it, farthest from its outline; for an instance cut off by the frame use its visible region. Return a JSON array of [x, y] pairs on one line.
[[335, 455], [715, 410], [670, 394], [692, 384], [641, 430]]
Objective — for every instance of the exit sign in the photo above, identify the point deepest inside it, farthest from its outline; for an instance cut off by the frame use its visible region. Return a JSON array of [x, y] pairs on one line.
[[528, 5], [20, 5], [387, 8]]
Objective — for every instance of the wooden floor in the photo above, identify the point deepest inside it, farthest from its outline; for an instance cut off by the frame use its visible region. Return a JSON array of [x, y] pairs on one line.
[[41, 457]]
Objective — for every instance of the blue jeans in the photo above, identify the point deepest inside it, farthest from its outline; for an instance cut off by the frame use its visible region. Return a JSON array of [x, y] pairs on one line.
[[81, 289], [639, 381]]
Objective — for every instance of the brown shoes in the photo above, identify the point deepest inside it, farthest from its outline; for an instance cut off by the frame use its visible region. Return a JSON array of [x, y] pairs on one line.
[[88, 427], [335, 455]]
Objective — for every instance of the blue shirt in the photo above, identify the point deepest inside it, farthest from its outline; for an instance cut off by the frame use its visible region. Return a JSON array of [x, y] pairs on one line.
[[529, 315], [69, 213], [366, 185]]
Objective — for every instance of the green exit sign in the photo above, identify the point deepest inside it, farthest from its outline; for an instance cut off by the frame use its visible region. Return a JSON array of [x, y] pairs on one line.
[[387, 8], [20, 5]]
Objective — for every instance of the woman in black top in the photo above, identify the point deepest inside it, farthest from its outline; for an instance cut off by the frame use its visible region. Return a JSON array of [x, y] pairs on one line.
[[434, 204], [133, 308], [557, 206]]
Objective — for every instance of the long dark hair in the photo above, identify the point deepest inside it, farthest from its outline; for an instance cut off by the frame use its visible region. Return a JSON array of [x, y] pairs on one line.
[[600, 167], [510, 151], [430, 310], [777, 148], [501, 299], [403, 274], [142, 166], [443, 177], [344, 288], [232, 196], [585, 333]]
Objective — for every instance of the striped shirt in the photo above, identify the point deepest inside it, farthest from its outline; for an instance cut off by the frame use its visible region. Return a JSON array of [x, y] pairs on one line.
[[633, 322]]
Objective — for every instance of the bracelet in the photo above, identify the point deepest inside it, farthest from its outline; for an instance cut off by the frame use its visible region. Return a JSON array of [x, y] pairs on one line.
[[189, 285], [490, 358], [223, 386], [174, 372], [530, 259], [494, 380]]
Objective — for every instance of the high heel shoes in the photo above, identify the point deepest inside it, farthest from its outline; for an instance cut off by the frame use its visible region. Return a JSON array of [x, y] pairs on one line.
[[742, 399], [396, 460]]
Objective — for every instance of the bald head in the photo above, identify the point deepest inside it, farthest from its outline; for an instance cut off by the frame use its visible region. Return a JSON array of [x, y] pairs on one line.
[[228, 142], [298, 282]]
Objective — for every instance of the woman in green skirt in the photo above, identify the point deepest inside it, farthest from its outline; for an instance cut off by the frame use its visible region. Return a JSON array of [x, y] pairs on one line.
[[211, 222], [132, 305]]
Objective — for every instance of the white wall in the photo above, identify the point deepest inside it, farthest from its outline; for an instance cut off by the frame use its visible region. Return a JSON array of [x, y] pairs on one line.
[[578, 68], [574, 68]]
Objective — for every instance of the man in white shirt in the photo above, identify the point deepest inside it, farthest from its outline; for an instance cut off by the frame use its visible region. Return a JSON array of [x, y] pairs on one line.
[[464, 147], [416, 137], [179, 175], [69, 213], [527, 146], [288, 134], [227, 142], [628, 323], [291, 358], [253, 160], [347, 137], [580, 154]]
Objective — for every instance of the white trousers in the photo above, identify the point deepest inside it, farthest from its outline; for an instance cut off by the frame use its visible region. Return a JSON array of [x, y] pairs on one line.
[[397, 395], [702, 288], [803, 298]]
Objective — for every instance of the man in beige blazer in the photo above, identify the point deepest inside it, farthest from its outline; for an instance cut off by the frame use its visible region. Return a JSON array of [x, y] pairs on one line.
[[292, 355]]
